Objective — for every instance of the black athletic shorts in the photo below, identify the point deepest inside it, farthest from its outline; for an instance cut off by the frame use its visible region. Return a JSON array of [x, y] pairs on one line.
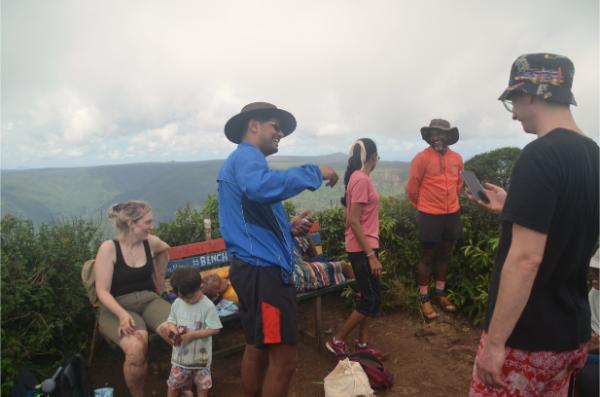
[[436, 228], [268, 309]]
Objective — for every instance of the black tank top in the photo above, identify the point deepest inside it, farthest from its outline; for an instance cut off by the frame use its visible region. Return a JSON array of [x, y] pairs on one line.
[[127, 279]]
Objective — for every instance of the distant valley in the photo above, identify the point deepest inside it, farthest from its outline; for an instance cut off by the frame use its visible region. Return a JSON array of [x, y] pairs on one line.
[[56, 194]]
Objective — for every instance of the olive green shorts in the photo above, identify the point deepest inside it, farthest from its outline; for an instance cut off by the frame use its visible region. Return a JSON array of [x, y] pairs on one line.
[[147, 309]]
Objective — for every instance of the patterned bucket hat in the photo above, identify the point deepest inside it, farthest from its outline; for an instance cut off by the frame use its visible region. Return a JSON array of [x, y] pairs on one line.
[[548, 76]]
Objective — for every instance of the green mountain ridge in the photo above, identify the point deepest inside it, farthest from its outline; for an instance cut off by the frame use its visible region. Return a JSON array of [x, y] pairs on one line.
[[55, 194]]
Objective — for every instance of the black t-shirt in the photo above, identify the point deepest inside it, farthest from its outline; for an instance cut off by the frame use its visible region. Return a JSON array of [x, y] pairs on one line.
[[553, 190]]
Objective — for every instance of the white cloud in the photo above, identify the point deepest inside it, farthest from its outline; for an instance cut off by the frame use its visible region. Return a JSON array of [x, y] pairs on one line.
[[139, 81]]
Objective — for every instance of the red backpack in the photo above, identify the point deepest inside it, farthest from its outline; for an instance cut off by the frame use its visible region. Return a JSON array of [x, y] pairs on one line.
[[379, 376]]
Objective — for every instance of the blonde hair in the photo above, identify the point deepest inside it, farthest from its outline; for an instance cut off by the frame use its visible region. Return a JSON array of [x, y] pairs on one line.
[[133, 210]]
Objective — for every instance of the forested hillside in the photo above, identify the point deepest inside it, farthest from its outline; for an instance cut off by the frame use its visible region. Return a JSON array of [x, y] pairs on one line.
[[50, 195]]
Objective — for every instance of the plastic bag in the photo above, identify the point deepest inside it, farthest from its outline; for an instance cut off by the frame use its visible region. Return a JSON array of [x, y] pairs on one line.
[[104, 392], [347, 379]]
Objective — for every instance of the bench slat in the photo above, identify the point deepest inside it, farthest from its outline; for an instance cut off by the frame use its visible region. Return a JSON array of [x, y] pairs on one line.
[[196, 249]]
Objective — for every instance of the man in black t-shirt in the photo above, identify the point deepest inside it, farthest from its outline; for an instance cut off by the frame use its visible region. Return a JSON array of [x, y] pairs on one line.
[[538, 316]]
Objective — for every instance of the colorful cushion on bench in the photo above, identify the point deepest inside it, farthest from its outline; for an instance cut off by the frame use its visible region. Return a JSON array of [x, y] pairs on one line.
[[314, 275], [320, 271], [304, 278]]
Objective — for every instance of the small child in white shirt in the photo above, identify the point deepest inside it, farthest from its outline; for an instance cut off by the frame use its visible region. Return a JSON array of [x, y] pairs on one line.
[[192, 323]]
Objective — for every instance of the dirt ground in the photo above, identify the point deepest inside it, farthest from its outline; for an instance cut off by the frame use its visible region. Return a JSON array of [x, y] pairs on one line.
[[427, 360]]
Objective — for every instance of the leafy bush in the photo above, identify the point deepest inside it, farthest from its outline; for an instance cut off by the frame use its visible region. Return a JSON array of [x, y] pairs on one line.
[[45, 312], [494, 166], [333, 227], [188, 225], [470, 280], [290, 208]]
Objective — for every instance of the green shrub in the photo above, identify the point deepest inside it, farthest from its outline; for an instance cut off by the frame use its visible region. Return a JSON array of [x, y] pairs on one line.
[[45, 312], [188, 225], [494, 166], [332, 232], [470, 280]]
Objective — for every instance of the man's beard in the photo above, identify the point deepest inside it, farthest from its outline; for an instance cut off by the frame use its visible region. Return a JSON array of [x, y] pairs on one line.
[[439, 147]]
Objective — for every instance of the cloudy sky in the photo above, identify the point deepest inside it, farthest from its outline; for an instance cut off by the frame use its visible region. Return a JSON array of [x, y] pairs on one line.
[[108, 82]]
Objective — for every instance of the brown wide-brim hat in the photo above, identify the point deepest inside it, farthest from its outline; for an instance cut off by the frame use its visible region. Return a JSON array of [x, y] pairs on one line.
[[441, 125], [235, 127]]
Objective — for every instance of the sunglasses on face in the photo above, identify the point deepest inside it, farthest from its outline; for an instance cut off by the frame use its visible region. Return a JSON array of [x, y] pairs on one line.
[[275, 126]]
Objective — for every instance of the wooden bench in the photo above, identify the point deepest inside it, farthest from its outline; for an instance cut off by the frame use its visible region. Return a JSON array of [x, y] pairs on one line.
[[211, 254]]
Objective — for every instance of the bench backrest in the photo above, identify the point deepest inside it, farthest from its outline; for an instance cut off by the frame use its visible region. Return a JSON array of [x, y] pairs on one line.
[[212, 254]]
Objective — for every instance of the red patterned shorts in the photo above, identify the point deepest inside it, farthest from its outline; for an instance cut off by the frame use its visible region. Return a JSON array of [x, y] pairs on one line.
[[528, 374], [183, 377]]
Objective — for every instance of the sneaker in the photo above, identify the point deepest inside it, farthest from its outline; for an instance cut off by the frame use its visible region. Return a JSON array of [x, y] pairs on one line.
[[336, 347], [428, 311], [370, 349], [445, 303]]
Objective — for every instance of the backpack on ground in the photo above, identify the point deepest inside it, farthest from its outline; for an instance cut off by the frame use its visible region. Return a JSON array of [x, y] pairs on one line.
[[379, 376], [89, 281], [69, 380], [72, 380]]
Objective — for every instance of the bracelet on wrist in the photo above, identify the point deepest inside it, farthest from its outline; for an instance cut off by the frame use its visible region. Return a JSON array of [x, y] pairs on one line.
[[371, 254]]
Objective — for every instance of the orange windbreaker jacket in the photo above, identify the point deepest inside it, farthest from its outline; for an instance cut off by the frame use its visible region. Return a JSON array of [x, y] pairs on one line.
[[435, 181]]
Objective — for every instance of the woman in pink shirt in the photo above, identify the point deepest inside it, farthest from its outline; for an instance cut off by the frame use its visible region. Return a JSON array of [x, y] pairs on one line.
[[362, 243]]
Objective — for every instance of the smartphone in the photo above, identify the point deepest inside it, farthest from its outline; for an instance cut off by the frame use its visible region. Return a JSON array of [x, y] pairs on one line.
[[474, 186]]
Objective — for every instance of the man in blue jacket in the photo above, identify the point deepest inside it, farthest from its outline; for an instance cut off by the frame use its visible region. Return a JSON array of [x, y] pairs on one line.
[[259, 240]]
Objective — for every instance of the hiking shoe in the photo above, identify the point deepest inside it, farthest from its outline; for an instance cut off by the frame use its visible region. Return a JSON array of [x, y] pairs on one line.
[[381, 355], [445, 303], [336, 347], [428, 311]]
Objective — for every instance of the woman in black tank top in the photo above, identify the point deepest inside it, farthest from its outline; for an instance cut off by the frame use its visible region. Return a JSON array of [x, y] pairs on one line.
[[129, 272]]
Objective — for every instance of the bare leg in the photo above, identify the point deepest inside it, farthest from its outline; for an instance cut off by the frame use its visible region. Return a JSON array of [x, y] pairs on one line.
[[202, 393], [135, 365], [172, 392], [363, 330], [254, 366], [351, 322], [283, 361]]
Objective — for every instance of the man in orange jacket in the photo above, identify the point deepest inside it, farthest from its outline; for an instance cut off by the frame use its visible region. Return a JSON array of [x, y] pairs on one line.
[[433, 186]]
